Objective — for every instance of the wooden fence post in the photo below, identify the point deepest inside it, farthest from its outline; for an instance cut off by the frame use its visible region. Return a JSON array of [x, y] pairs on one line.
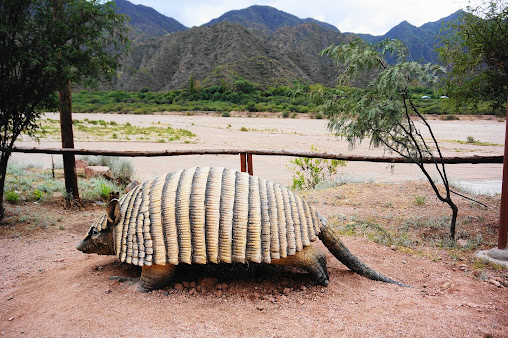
[[503, 214], [246, 163]]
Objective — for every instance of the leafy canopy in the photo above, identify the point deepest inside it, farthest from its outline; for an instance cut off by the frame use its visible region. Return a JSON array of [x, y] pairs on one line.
[[43, 45], [475, 48], [380, 111], [384, 110]]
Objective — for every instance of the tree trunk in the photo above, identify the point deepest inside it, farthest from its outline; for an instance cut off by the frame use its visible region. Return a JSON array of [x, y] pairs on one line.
[[69, 162], [455, 211], [4, 158]]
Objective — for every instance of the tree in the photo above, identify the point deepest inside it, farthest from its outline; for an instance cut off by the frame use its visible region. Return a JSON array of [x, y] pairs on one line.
[[384, 111], [474, 47], [192, 88], [44, 44]]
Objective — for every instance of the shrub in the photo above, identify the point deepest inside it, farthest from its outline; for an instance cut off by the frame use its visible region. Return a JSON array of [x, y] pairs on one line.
[[11, 196], [225, 114], [309, 172], [419, 200]]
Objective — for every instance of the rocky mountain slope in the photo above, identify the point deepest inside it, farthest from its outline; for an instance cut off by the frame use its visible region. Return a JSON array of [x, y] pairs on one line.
[[260, 44], [226, 51], [420, 41]]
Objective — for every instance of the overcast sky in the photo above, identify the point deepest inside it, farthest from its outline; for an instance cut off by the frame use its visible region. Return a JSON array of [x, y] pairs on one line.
[[358, 16]]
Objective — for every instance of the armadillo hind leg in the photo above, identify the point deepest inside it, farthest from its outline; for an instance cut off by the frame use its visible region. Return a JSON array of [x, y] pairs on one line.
[[309, 259], [155, 277]]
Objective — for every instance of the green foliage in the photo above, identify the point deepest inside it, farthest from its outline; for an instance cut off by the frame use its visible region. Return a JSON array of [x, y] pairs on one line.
[[44, 45], [12, 196], [241, 96], [37, 194], [97, 188], [474, 47], [384, 111], [309, 172], [419, 200]]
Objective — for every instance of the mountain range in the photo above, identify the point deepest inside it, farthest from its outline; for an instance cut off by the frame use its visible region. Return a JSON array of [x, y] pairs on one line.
[[260, 44]]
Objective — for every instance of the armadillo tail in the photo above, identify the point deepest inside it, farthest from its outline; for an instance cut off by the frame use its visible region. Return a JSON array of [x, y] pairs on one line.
[[330, 237]]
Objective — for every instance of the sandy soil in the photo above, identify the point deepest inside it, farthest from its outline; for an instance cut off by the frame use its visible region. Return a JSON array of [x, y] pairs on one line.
[[49, 289], [294, 134]]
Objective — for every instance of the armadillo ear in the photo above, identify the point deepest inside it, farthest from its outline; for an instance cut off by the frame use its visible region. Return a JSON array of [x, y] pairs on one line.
[[113, 211]]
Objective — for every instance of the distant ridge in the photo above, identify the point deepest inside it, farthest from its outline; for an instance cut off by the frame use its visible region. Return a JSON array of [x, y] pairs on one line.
[[146, 21], [265, 18], [420, 41]]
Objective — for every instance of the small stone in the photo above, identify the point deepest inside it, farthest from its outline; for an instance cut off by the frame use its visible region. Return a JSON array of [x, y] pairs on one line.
[[193, 284], [192, 291], [224, 286], [186, 284], [218, 293], [124, 279], [477, 272], [11, 319], [272, 300], [9, 298], [303, 288], [286, 291], [218, 286], [178, 286], [322, 290], [166, 293], [94, 171], [301, 302], [393, 247], [108, 291], [495, 283], [259, 308], [446, 285], [207, 283]]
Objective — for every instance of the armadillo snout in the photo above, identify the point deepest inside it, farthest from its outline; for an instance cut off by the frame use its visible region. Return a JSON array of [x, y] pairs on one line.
[[83, 247]]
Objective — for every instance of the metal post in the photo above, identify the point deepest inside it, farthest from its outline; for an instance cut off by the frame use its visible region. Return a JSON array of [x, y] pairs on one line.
[[503, 215]]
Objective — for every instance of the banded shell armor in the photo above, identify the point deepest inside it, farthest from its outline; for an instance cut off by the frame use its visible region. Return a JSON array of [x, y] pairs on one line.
[[202, 215]]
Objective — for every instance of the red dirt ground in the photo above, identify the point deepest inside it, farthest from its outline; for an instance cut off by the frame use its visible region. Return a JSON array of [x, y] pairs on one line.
[[49, 289]]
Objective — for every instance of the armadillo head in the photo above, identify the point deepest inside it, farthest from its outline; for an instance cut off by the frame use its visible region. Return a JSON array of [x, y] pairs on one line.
[[99, 238]]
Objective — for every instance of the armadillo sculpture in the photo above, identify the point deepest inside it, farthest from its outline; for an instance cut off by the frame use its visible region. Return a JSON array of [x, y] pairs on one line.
[[215, 215]]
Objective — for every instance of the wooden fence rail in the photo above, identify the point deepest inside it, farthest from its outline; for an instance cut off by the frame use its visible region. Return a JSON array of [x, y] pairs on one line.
[[247, 154]]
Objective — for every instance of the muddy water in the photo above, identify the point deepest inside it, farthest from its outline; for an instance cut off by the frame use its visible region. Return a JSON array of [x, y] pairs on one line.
[[294, 134]]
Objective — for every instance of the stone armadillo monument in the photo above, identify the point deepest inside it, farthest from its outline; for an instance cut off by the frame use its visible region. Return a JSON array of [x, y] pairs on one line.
[[215, 215]]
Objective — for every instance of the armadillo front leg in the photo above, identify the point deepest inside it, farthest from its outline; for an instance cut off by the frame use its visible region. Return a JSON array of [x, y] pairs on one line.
[[155, 277], [310, 259]]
